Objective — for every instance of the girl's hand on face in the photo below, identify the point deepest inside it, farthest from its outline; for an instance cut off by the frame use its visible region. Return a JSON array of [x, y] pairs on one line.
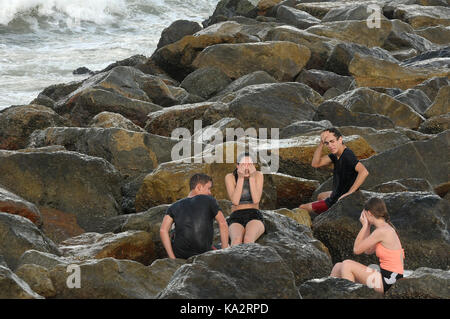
[[367, 217], [363, 219], [241, 170], [252, 169]]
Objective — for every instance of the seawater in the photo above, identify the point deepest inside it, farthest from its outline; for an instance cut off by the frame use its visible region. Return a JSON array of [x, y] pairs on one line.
[[43, 41]]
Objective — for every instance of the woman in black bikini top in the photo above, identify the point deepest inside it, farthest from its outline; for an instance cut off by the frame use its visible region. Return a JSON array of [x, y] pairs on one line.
[[244, 186]]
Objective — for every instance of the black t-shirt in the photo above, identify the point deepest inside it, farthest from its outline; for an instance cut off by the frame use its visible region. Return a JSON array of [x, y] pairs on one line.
[[194, 230], [344, 174]]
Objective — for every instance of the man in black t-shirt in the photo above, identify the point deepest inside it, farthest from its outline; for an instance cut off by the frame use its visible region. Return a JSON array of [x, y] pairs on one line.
[[348, 173], [193, 217]]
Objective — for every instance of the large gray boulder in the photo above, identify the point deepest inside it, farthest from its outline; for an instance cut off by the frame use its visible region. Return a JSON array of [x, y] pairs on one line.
[[72, 191], [131, 153], [19, 235], [440, 105], [379, 139], [43, 259], [148, 221], [130, 245], [432, 86], [415, 98], [13, 204], [336, 288], [12, 287], [339, 115], [423, 283], [18, 122], [281, 59], [85, 105], [205, 82], [419, 16], [321, 81], [404, 185], [321, 47], [123, 89], [353, 12], [274, 105], [116, 120], [437, 34], [164, 122], [422, 158], [304, 127], [365, 100], [110, 278], [37, 277], [177, 30], [305, 256], [297, 18], [247, 271], [257, 77], [343, 53], [230, 8]]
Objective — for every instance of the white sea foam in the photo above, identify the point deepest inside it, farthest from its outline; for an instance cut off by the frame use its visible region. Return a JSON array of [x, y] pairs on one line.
[[73, 11]]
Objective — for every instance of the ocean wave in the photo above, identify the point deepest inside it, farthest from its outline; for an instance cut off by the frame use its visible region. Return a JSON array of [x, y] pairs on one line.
[[71, 12], [43, 41], [23, 16]]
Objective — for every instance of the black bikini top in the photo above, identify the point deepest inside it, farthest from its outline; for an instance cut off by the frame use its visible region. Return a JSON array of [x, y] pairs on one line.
[[246, 196]]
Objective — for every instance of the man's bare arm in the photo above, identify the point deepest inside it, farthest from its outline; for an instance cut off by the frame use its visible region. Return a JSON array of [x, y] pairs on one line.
[[319, 160], [164, 234], [362, 175], [223, 228]]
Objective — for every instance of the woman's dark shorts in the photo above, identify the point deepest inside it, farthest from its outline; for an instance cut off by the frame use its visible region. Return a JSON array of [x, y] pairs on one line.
[[389, 278], [243, 216]]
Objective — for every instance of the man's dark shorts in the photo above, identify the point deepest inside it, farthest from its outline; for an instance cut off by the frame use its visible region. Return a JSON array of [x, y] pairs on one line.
[[320, 206]]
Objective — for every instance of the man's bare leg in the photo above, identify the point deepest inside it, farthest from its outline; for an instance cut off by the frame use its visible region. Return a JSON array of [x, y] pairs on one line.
[[323, 195]]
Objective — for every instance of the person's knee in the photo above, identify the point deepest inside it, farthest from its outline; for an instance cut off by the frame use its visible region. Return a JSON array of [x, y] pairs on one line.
[[323, 195], [346, 264], [338, 265], [336, 269], [253, 232], [236, 241], [249, 238]]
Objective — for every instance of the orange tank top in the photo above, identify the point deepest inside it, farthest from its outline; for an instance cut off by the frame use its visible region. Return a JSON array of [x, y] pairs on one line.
[[390, 259]]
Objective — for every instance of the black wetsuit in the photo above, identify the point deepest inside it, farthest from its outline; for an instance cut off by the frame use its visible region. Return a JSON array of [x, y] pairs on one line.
[[194, 230], [344, 174]]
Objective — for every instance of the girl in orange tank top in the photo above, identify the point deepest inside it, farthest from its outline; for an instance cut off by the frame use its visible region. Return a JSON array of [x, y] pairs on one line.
[[384, 241], [390, 259]]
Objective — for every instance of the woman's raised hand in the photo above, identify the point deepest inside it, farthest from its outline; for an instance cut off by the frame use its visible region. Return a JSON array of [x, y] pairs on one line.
[[251, 169], [363, 218], [241, 170]]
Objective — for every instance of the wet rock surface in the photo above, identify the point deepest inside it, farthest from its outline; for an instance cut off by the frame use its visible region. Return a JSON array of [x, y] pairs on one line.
[[89, 168]]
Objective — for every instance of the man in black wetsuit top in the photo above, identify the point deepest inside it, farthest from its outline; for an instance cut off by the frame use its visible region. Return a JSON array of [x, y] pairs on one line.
[[348, 172], [193, 217]]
